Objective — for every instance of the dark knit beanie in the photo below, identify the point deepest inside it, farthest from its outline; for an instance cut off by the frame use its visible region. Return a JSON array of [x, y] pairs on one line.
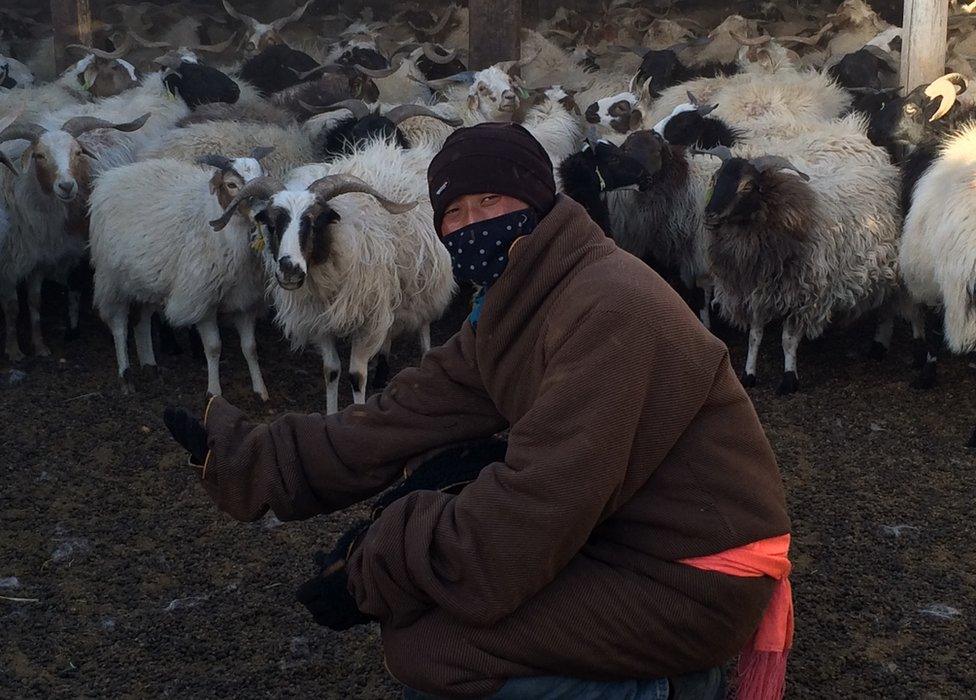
[[502, 158]]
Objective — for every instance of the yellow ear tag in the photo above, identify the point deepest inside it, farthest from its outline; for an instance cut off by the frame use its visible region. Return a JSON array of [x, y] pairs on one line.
[[603, 183], [708, 192], [257, 242]]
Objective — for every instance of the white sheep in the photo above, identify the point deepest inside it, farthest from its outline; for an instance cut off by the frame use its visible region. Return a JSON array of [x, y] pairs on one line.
[[350, 263], [151, 244]]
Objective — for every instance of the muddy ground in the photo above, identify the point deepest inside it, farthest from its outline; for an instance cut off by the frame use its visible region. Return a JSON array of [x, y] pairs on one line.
[[137, 586]]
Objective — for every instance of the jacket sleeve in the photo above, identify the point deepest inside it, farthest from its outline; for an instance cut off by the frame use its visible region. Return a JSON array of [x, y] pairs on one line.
[[304, 465], [480, 554]]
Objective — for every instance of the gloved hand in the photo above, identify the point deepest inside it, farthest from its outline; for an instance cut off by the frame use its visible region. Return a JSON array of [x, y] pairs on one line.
[[187, 431], [327, 595], [449, 470]]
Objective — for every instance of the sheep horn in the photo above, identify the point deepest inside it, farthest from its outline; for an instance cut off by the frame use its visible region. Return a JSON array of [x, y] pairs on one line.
[[946, 89], [721, 152], [306, 75], [692, 100], [28, 131], [358, 108], [4, 160], [808, 40], [250, 21], [377, 72], [119, 52], [215, 160], [466, 77], [434, 57], [764, 163], [282, 22], [142, 41], [216, 48], [405, 47], [441, 23], [261, 152], [260, 188], [754, 41], [637, 50], [79, 125], [4, 125], [682, 45], [404, 112], [331, 186]]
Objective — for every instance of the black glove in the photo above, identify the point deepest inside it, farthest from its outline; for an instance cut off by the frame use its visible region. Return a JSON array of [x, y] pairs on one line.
[[327, 595], [187, 431], [449, 470]]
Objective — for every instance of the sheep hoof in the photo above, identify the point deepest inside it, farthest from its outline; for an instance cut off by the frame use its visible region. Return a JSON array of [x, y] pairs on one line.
[[42, 351], [920, 355], [748, 380], [788, 385], [125, 379], [877, 351], [263, 395], [926, 378], [156, 371]]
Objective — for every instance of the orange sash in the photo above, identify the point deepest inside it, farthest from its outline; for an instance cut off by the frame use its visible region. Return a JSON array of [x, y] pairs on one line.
[[761, 672]]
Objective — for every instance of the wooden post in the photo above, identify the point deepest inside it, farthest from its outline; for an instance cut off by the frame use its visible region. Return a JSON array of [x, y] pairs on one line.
[[72, 21], [493, 34], [923, 45]]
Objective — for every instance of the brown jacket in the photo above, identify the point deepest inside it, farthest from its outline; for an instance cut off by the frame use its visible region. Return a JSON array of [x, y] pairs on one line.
[[631, 445]]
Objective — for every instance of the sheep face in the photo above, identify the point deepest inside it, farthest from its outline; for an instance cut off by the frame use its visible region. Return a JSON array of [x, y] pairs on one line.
[[863, 69], [299, 235], [494, 93], [227, 182], [59, 164], [908, 120], [736, 194], [106, 77], [660, 69], [618, 113]]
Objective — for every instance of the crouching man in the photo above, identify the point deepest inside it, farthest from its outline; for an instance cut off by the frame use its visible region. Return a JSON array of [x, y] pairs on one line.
[[627, 537]]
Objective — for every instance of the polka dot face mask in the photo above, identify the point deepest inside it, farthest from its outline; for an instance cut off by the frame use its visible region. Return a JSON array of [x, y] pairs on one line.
[[479, 252]]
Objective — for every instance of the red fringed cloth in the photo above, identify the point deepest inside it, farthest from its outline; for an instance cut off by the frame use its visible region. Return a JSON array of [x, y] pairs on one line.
[[761, 671]]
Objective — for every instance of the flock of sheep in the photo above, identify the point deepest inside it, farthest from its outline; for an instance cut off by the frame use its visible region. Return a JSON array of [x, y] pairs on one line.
[[206, 164]]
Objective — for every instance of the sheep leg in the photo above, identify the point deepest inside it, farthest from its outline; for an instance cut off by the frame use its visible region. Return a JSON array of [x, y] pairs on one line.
[[756, 329], [74, 312], [34, 283], [362, 349], [915, 314], [143, 335], [11, 309], [791, 342], [331, 368], [210, 336], [244, 322], [381, 374], [117, 319], [882, 335], [424, 339], [927, 377]]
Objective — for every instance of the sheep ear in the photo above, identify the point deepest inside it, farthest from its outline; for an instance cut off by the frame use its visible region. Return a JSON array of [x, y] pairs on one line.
[[635, 119], [216, 181], [766, 163], [88, 152]]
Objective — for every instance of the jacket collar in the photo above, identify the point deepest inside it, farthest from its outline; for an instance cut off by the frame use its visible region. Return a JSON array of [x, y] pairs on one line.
[[563, 240]]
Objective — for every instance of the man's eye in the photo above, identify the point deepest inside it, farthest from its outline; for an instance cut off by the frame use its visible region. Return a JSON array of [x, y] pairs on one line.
[[490, 199]]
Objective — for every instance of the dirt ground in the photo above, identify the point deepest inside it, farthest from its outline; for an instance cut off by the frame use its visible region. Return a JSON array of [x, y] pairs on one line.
[[137, 586]]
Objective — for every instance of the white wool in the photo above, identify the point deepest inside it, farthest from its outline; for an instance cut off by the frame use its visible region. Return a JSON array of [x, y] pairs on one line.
[[660, 126], [938, 252]]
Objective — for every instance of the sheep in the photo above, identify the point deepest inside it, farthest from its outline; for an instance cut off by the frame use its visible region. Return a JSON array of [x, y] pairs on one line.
[[151, 244], [690, 125], [56, 170], [552, 116], [292, 147], [334, 85], [364, 124], [348, 262], [798, 248], [276, 67], [260, 35]]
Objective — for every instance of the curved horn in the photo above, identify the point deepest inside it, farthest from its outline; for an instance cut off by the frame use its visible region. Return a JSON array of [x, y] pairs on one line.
[[945, 88], [79, 125], [406, 47], [119, 52], [4, 160], [808, 40], [281, 22], [464, 77], [404, 112], [28, 131], [250, 21], [434, 57], [377, 72], [261, 152], [333, 185], [754, 41], [764, 163], [721, 152], [217, 161], [307, 75], [692, 100], [441, 23], [358, 108], [143, 41], [215, 48], [260, 188]]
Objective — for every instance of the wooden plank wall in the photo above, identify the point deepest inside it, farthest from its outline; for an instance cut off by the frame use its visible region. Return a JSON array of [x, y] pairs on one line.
[[494, 33], [72, 20]]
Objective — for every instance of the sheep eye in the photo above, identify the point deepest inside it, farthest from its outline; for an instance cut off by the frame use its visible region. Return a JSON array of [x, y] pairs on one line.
[[232, 185]]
